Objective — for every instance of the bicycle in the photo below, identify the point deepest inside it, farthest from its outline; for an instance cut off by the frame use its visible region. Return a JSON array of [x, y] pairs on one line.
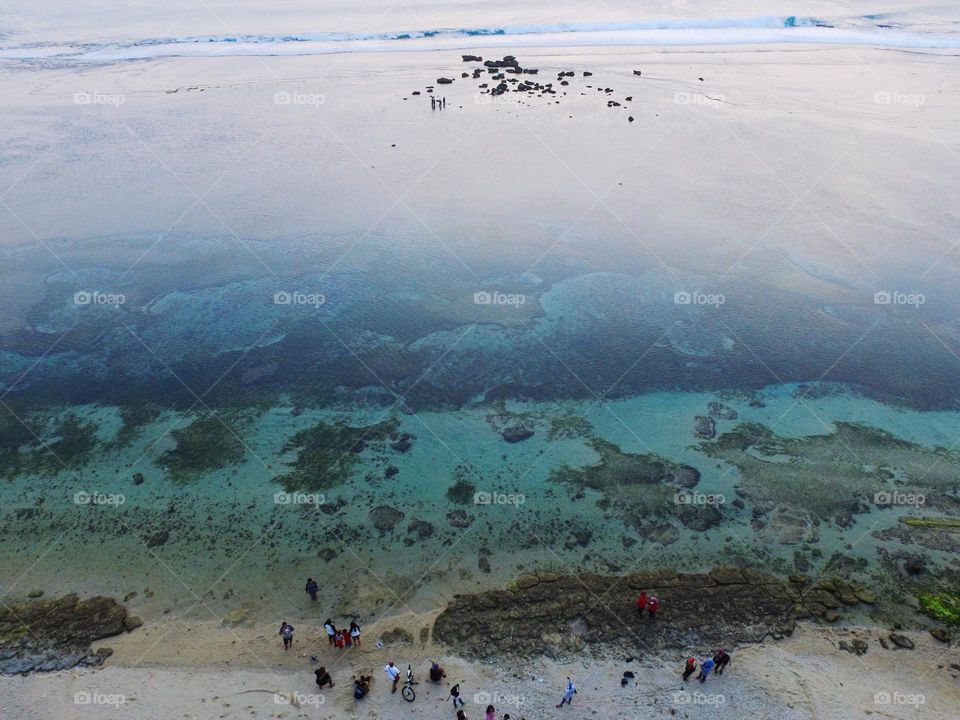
[[409, 694]]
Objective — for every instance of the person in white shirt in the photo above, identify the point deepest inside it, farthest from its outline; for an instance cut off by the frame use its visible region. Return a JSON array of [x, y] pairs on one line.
[[394, 672]]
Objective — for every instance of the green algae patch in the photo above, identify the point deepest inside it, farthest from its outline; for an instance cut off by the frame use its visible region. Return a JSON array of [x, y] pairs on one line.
[[461, 492], [204, 445], [569, 425], [842, 470], [942, 606], [70, 447], [14, 436], [939, 523], [633, 485], [327, 454], [133, 420]]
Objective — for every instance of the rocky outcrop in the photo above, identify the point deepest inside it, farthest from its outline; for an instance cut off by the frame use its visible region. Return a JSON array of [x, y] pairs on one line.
[[558, 615], [516, 434], [703, 426], [385, 517], [56, 634]]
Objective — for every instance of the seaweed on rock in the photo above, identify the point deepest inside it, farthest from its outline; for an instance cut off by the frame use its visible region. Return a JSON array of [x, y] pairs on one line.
[[206, 444], [327, 454]]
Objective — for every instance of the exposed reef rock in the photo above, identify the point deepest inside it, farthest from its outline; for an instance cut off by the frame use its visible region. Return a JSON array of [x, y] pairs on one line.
[[557, 615], [55, 634]]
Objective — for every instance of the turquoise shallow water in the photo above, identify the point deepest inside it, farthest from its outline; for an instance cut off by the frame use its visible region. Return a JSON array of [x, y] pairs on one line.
[[230, 541], [223, 388]]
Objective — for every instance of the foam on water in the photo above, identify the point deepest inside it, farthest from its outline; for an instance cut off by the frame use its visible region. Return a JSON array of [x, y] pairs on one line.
[[863, 30]]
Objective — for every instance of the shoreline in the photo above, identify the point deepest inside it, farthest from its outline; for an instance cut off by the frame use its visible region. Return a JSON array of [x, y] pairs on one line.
[[802, 677]]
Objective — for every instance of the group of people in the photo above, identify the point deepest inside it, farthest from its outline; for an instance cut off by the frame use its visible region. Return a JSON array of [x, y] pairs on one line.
[[650, 603], [437, 103], [344, 637], [715, 664]]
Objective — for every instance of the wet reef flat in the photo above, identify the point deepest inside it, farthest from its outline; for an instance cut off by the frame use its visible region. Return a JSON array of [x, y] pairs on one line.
[[558, 615], [56, 634]]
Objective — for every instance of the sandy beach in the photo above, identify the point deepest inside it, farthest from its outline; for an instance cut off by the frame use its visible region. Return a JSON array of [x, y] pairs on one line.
[[217, 675]]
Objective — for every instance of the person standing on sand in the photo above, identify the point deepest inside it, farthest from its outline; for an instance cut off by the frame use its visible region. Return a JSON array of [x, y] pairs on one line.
[[444, 103], [286, 631], [570, 692], [323, 677], [331, 630], [689, 668], [705, 667], [312, 589], [433, 103], [394, 674], [653, 604], [721, 659], [491, 713], [641, 602], [455, 694], [355, 633], [461, 715]]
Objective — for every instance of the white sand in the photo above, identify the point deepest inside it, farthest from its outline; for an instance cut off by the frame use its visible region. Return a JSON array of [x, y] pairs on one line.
[[805, 676]]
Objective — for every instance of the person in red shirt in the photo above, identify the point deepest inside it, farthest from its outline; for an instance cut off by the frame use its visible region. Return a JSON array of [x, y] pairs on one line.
[[653, 604], [338, 640], [641, 602]]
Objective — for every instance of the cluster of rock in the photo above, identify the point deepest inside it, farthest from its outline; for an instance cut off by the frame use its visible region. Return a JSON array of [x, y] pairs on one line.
[[560, 615], [496, 81], [56, 634]]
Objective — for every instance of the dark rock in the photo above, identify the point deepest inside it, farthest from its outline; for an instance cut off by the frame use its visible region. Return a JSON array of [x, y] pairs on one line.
[[385, 517], [138, 478], [699, 518], [942, 635], [587, 74], [327, 554], [704, 426], [403, 443], [444, 81], [516, 434], [472, 58], [459, 518], [630, 118], [636, 72], [719, 410], [158, 539], [484, 564], [901, 641], [56, 634], [857, 647], [685, 476], [420, 528]]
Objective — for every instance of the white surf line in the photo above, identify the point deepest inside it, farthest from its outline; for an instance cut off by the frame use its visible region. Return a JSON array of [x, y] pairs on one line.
[[718, 31]]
